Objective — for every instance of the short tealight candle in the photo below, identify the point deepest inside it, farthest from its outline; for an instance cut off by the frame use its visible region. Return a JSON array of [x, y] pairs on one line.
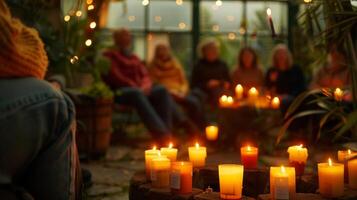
[[169, 152], [226, 101], [149, 155], [212, 132], [181, 177], [338, 94], [275, 103], [197, 155], [280, 172], [298, 158], [249, 157], [160, 171], [331, 184], [230, 181], [253, 94]]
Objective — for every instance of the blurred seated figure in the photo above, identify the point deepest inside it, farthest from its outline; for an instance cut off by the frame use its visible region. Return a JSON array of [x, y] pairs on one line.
[[38, 155], [284, 78], [130, 78], [210, 74], [248, 72], [166, 70], [335, 73]]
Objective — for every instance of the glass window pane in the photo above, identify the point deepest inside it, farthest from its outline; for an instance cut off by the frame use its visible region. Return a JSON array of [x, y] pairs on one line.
[[168, 16], [224, 18], [129, 14], [257, 18]]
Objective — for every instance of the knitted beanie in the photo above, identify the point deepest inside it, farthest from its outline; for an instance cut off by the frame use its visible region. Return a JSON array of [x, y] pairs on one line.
[[22, 52]]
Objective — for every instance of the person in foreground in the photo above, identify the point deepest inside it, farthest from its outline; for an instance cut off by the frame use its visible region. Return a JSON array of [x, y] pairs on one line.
[[37, 122]]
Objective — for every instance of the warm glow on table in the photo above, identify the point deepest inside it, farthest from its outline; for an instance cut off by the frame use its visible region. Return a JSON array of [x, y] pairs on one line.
[[298, 158], [230, 181], [169, 152], [338, 94], [352, 174], [226, 100], [197, 155], [331, 182], [249, 157], [149, 155], [275, 103], [253, 94], [239, 91], [160, 171], [277, 175], [211, 132], [181, 177]]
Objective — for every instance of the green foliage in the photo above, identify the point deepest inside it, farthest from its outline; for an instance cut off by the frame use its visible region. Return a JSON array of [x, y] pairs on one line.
[[98, 90]]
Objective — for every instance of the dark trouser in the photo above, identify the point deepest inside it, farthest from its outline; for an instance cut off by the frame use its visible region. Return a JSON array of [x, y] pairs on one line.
[[194, 106], [157, 110]]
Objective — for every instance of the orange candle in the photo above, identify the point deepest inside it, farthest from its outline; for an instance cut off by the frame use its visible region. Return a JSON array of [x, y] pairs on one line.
[[226, 101], [239, 91], [160, 171], [211, 132], [338, 94], [181, 177], [230, 181], [331, 184], [277, 185], [197, 155], [275, 103], [169, 152], [298, 158], [253, 94], [149, 155], [343, 157], [352, 174], [249, 157]]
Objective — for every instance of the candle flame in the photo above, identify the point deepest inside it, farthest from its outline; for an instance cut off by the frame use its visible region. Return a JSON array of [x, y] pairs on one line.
[[282, 168], [253, 90], [170, 145], [269, 12], [159, 153], [276, 100], [182, 163], [329, 162], [239, 87], [349, 152], [154, 148], [300, 145], [248, 148], [197, 145], [230, 99]]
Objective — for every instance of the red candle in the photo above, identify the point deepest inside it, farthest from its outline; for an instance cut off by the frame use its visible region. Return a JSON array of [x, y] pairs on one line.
[[249, 157], [181, 177]]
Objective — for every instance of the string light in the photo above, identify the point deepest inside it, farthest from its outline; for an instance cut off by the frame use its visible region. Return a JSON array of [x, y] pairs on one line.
[[92, 25], [158, 18], [145, 2], [89, 2], [182, 25], [79, 13], [219, 3], [179, 2], [215, 28], [231, 36], [67, 18], [131, 18], [88, 42], [242, 30], [74, 59], [269, 12], [91, 7], [307, 1]]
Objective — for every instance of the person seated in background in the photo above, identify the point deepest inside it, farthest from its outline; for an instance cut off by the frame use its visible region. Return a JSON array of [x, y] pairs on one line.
[[284, 78], [210, 74], [248, 72], [38, 155], [153, 103], [335, 73], [166, 70]]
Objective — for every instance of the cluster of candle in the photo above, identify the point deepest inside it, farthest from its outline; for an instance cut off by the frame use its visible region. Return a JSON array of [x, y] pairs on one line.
[[164, 171], [226, 100]]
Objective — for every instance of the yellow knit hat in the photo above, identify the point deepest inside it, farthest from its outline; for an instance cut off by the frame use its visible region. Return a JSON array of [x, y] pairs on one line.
[[22, 52]]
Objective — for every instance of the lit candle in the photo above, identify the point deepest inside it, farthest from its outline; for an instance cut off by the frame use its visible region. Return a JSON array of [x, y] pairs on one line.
[[352, 174], [276, 173], [226, 100], [169, 152], [279, 184], [230, 181], [160, 171], [275, 103], [253, 94], [270, 19], [297, 158], [212, 132], [249, 157], [197, 155], [239, 91], [343, 157], [338, 94], [149, 155], [331, 182], [181, 177]]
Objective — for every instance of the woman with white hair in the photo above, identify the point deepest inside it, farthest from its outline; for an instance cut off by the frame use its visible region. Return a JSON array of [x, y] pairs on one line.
[[284, 78], [210, 74]]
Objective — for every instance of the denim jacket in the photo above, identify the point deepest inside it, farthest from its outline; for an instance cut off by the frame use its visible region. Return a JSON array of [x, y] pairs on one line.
[[37, 145]]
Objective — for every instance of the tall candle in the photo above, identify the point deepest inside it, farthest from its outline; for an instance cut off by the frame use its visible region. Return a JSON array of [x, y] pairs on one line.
[[239, 91], [279, 182], [230, 181], [275, 103], [343, 157], [279, 172], [149, 155], [160, 172], [249, 157], [197, 155], [352, 173], [211, 132], [181, 177], [331, 184], [253, 94], [338, 94], [169, 152], [298, 158]]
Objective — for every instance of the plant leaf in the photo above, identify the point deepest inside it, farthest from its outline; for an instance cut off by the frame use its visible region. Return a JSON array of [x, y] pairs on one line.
[[351, 121], [323, 121], [298, 101]]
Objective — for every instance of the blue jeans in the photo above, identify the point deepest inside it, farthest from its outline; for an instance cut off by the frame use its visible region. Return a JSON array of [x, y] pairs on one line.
[[37, 150], [157, 110]]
